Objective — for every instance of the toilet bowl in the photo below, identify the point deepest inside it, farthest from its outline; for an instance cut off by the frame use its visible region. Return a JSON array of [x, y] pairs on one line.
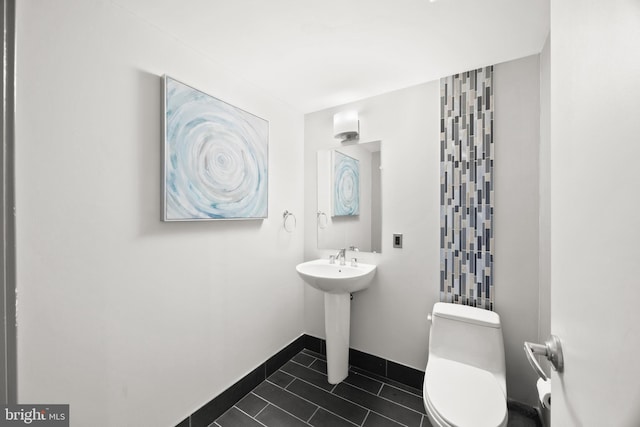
[[464, 381]]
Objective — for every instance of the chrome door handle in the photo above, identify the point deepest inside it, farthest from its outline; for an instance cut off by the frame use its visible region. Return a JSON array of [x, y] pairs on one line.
[[551, 349]]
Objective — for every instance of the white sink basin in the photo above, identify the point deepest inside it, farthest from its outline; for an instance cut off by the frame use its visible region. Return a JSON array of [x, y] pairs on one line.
[[336, 278], [337, 282]]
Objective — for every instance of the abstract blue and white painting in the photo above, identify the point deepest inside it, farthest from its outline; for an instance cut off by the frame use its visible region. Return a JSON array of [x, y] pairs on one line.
[[346, 185], [215, 158]]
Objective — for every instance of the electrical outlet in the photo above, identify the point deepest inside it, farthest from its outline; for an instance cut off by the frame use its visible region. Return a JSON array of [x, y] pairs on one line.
[[397, 240]]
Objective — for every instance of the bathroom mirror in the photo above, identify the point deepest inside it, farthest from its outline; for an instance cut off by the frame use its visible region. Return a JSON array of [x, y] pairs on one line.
[[350, 197]]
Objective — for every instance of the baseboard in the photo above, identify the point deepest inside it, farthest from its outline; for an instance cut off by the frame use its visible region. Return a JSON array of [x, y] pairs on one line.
[[373, 364], [525, 410], [217, 406]]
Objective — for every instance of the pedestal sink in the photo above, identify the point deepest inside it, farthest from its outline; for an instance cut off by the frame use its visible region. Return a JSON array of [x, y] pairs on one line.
[[337, 282]]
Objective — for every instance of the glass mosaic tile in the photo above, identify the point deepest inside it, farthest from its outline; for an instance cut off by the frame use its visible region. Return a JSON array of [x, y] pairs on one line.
[[466, 185]]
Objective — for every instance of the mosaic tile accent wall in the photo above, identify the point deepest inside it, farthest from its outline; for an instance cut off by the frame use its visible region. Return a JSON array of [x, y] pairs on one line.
[[466, 188]]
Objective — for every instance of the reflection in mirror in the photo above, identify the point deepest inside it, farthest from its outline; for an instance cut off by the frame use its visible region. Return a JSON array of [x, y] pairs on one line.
[[349, 198]]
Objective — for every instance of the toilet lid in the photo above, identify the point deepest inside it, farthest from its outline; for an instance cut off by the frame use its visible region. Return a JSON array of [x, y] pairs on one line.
[[464, 395]]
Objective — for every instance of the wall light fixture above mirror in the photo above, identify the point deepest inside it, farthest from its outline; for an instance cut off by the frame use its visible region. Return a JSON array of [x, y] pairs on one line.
[[346, 126]]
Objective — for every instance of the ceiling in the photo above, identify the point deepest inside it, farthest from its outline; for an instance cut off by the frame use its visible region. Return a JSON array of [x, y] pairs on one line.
[[315, 54]]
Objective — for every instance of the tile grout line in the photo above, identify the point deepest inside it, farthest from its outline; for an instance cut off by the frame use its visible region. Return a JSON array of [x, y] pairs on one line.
[[381, 397], [365, 418], [390, 385], [366, 391], [320, 372], [382, 380], [417, 392], [382, 384], [380, 389], [285, 411], [294, 394], [255, 419], [392, 420], [260, 411], [300, 363], [252, 392], [315, 359], [331, 392], [355, 403], [314, 412], [317, 356], [306, 400], [408, 392], [319, 406]]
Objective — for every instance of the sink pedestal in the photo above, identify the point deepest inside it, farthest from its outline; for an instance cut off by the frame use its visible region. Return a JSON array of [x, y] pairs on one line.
[[337, 319], [337, 282]]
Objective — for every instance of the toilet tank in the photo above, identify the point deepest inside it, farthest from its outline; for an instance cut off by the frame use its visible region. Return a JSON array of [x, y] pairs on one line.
[[467, 335]]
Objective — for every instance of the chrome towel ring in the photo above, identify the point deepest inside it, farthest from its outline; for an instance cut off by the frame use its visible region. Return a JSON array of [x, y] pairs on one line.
[[289, 221], [322, 220]]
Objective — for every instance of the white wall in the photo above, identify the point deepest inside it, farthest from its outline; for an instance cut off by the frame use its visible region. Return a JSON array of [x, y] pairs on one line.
[[130, 320], [544, 325], [516, 174], [390, 318]]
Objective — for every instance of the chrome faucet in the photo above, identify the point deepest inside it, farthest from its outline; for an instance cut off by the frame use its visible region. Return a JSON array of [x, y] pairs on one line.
[[341, 256]]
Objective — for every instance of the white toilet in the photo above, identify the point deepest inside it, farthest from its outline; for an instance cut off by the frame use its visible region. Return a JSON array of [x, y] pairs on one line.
[[464, 382]]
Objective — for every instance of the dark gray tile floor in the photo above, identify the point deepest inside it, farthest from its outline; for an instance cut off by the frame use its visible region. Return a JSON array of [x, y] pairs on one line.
[[298, 394]]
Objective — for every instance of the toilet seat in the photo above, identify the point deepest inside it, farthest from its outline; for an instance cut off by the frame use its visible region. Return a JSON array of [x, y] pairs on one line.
[[460, 395]]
